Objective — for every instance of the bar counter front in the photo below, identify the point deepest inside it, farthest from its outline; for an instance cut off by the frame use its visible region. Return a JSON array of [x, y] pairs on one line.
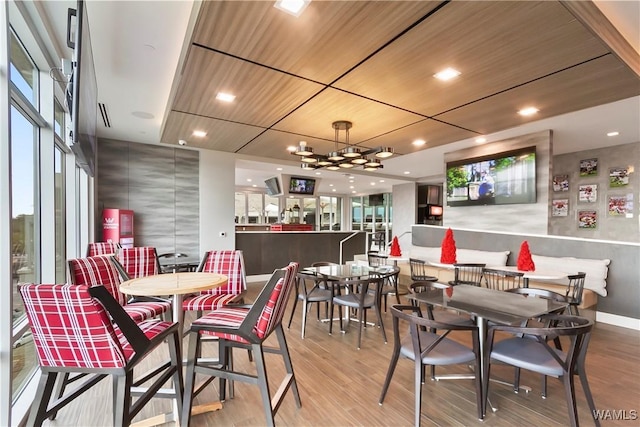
[[265, 251]]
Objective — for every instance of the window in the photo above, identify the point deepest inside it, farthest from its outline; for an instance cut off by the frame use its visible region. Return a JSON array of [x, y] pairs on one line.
[[330, 213], [23, 72], [24, 229], [58, 120], [60, 215]]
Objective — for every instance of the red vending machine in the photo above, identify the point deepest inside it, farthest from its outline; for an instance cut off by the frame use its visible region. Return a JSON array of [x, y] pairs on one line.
[[117, 226]]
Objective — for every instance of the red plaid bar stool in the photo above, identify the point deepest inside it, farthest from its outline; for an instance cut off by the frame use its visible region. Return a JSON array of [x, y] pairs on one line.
[[102, 270], [102, 248], [73, 333], [240, 326], [138, 262], [227, 262]]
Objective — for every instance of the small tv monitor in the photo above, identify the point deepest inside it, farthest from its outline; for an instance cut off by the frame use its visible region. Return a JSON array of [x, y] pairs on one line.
[[376, 199], [273, 186], [304, 186], [497, 179], [435, 210]]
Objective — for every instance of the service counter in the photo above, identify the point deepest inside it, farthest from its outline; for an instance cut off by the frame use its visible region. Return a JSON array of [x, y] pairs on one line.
[[264, 251]]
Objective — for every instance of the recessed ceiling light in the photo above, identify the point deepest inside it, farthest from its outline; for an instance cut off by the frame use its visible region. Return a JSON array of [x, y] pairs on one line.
[[481, 140], [529, 111], [199, 133], [291, 148], [373, 183], [254, 185], [318, 173], [614, 133], [407, 172], [353, 192], [382, 180], [351, 186], [333, 189], [419, 142], [225, 97], [292, 7], [278, 169], [447, 74], [249, 180]]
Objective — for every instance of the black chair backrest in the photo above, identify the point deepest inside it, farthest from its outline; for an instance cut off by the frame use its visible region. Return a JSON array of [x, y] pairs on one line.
[[375, 259], [501, 280], [575, 288], [467, 273]]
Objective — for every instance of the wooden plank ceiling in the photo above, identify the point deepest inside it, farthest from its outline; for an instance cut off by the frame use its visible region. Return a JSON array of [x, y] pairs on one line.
[[372, 63]]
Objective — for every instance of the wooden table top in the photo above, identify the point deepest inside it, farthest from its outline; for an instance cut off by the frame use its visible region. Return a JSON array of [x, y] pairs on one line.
[[172, 283]]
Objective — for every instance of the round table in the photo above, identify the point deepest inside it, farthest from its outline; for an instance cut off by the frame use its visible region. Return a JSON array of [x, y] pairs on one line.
[[176, 284]]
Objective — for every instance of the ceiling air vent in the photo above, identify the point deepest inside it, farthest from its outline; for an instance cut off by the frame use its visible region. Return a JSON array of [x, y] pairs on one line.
[[104, 114]]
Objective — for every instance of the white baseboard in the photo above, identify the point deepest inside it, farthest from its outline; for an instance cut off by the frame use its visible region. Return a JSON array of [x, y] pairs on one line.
[[616, 320]]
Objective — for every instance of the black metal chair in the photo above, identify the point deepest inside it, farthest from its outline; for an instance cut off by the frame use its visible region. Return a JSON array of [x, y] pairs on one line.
[[359, 298], [530, 348], [467, 274], [426, 347], [311, 289]]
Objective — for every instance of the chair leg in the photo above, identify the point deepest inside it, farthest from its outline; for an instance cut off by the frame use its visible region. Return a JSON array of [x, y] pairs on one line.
[[41, 401], [122, 399], [263, 383], [380, 324], [570, 393], [284, 349], [176, 360], [587, 392], [417, 390], [305, 308], [361, 316], [392, 368], [293, 310], [190, 378]]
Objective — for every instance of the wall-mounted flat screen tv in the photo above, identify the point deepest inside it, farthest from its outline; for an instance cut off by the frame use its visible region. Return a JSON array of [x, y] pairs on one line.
[[273, 186], [376, 199], [502, 178], [305, 186]]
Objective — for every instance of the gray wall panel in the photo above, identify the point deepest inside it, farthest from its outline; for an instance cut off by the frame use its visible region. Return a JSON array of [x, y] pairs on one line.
[[161, 186], [623, 285]]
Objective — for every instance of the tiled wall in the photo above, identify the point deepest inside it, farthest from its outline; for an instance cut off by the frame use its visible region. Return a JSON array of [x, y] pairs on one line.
[[161, 186]]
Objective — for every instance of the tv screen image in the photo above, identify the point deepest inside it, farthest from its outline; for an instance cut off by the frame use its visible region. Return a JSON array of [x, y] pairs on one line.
[[502, 178], [302, 186]]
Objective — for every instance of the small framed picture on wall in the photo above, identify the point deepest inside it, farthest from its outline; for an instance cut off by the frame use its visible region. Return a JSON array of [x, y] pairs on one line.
[[618, 177], [561, 183], [587, 219], [589, 167], [588, 193], [560, 207]]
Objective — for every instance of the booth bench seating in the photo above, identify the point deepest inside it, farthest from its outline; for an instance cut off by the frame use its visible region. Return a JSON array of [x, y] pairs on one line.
[[596, 270]]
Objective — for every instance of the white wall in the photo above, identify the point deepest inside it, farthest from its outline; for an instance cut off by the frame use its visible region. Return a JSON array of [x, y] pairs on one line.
[[217, 200]]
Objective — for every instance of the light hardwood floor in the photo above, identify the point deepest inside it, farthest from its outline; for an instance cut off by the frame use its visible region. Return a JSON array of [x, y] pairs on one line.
[[340, 386]]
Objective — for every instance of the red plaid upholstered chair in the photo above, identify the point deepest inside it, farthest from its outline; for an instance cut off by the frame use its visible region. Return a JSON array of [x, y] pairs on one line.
[[138, 262], [102, 248], [73, 333], [240, 326], [102, 270], [227, 262]]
